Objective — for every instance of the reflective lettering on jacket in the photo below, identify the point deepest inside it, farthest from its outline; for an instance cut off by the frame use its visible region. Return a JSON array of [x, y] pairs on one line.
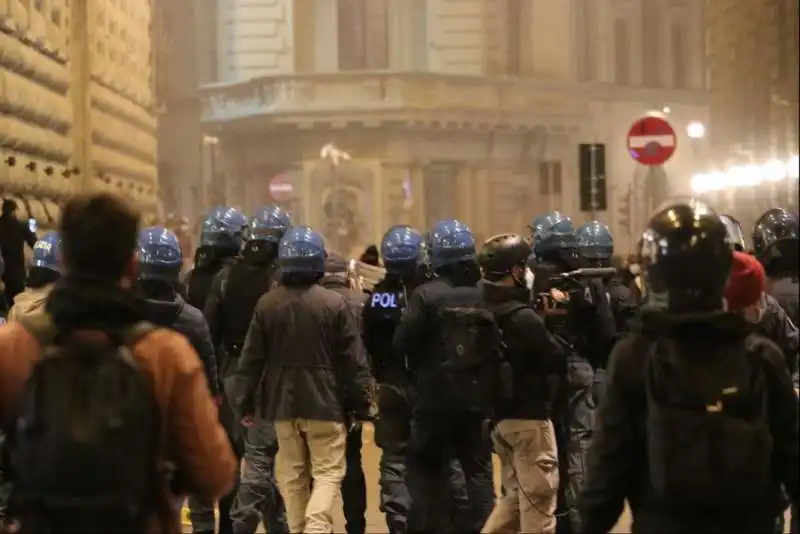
[[385, 300]]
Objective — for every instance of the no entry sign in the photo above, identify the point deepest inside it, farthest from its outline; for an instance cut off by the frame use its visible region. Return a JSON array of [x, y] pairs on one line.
[[652, 141], [281, 188]]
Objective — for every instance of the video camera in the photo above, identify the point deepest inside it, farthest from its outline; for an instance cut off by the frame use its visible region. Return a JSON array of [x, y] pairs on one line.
[[570, 284]]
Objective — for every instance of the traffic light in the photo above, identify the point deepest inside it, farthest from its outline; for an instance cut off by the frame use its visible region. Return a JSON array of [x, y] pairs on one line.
[[592, 176]]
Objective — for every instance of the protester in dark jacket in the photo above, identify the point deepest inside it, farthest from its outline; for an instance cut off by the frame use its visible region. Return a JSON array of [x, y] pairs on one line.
[[93, 297], [13, 236], [687, 365]]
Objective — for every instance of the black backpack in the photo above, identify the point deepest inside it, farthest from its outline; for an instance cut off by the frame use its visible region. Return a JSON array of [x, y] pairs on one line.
[[709, 443], [86, 444], [475, 373]]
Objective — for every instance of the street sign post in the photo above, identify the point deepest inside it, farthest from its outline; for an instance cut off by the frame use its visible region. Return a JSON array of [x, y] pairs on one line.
[[281, 188], [652, 141]]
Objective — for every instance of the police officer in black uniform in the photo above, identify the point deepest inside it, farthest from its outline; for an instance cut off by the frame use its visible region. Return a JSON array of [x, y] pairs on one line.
[[578, 312], [776, 243], [404, 257], [233, 295], [220, 241], [339, 279], [441, 431]]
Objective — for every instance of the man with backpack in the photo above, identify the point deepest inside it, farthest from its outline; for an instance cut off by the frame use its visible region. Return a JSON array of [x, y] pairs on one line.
[[698, 429], [523, 435], [446, 338], [108, 415]]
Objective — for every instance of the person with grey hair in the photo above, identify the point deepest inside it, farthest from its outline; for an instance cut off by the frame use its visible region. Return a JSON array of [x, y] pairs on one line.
[[340, 279]]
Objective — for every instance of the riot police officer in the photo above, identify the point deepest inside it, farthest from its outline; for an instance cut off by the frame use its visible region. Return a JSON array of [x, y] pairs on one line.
[[341, 279], [578, 312], [220, 241], [160, 262], [404, 257], [735, 233], [776, 241], [596, 245], [233, 296], [441, 426]]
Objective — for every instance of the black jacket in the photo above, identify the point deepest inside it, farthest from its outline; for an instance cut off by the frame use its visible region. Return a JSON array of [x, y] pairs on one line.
[[617, 462], [787, 292], [229, 305], [303, 358], [534, 354], [776, 325], [189, 321]]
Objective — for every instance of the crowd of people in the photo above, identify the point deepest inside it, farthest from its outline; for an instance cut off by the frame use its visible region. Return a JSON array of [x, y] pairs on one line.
[[128, 383]]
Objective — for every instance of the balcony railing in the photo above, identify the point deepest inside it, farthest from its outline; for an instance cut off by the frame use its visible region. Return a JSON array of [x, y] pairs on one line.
[[371, 92]]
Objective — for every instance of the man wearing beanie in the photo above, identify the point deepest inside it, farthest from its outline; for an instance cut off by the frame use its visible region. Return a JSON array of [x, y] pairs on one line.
[[354, 487], [746, 294], [745, 291]]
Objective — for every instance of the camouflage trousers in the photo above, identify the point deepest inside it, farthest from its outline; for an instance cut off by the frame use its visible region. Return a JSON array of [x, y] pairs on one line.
[[258, 498]]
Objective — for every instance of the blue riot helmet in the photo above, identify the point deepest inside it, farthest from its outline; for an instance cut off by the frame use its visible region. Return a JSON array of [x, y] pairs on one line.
[[302, 250], [160, 256], [223, 228], [541, 222], [451, 242], [45, 252], [269, 224], [401, 248], [554, 233], [594, 240]]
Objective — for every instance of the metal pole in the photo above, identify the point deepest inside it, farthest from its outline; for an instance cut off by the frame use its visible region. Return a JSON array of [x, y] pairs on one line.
[[593, 180]]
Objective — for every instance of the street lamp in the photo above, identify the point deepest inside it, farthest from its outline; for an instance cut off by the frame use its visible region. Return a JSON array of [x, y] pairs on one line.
[[696, 130], [773, 171]]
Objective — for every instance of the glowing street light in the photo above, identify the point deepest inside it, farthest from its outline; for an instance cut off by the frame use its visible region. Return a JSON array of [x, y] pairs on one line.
[[696, 130], [773, 171]]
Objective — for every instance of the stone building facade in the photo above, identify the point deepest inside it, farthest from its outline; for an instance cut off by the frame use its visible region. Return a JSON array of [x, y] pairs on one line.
[[76, 100], [449, 108]]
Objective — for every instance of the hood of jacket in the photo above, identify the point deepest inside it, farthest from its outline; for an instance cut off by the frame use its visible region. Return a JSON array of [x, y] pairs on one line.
[[79, 303], [703, 328], [493, 293], [164, 312], [30, 301]]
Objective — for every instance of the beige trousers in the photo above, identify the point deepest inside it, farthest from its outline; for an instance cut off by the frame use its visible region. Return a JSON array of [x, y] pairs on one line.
[[310, 450], [529, 473]]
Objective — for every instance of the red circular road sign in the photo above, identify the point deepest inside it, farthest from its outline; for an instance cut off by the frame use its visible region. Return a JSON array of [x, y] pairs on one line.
[[281, 188], [652, 141]]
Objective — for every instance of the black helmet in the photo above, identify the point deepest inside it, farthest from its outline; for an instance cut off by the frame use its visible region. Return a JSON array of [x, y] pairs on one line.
[[735, 234], [501, 253], [774, 227], [686, 258]]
